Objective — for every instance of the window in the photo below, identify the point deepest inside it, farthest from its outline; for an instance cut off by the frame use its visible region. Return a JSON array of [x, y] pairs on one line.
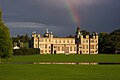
[[41, 51], [49, 40], [83, 41], [45, 40], [92, 41], [86, 41], [83, 46], [96, 41], [83, 51], [42, 45], [71, 41], [68, 41], [70, 48], [91, 51], [86, 51], [55, 41], [45, 45], [64, 41], [91, 46], [41, 40], [59, 41], [45, 51], [58, 48], [62, 48], [54, 46], [75, 49], [86, 46]]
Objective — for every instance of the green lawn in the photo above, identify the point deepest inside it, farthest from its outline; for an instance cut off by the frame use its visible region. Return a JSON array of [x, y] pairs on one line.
[[66, 58], [59, 72]]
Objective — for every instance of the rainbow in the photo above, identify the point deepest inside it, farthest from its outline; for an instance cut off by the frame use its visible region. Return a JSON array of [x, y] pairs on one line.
[[73, 12]]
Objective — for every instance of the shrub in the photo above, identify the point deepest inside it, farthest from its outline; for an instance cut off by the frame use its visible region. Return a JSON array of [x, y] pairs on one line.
[[25, 51]]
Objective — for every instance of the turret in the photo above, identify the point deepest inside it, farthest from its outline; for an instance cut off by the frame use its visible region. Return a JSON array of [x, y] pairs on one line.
[[78, 36], [38, 35], [51, 34], [47, 31], [34, 34], [47, 34], [95, 35]]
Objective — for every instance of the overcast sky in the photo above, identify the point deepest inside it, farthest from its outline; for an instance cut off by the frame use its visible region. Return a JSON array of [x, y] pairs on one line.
[[25, 16]]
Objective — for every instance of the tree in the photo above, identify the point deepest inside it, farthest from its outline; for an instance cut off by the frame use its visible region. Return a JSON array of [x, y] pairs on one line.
[[109, 43], [5, 40], [115, 38], [105, 44], [84, 32], [22, 38]]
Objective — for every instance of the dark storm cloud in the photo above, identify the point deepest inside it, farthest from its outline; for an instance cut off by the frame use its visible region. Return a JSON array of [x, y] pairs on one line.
[[95, 15]]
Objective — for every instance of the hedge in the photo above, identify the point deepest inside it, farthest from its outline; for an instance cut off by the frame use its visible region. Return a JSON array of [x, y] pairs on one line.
[[25, 51]]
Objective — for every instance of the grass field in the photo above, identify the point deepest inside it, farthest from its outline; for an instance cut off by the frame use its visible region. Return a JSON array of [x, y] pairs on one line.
[[66, 58], [59, 72]]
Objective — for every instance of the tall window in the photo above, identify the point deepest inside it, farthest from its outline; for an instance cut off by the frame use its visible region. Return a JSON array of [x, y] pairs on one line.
[[55, 41], [75, 49], [70, 48], [58, 48], [71, 41], [59, 41], [86, 46], [67, 41], [64, 41], [62, 48], [83, 46], [45, 40], [45, 45], [36, 40], [86, 41]]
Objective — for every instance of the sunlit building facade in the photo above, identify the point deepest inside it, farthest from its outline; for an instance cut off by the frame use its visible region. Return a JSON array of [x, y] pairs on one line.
[[51, 45]]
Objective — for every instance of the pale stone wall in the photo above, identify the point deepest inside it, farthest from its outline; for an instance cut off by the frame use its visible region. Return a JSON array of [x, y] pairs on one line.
[[48, 45]]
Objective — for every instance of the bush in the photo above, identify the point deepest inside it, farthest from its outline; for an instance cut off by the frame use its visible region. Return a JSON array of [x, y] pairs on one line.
[[25, 51]]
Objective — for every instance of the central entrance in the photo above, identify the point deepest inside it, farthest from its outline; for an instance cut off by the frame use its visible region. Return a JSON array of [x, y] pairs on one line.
[[66, 49]]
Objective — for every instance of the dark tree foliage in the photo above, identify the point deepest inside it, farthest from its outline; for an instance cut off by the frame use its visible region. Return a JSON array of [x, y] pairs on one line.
[[5, 40], [22, 38], [109, 43], [115, 38], [105, 43], [25, 51], [84, 32]]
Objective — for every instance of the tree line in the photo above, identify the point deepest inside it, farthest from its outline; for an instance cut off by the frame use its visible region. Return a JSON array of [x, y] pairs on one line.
[[109, 43]]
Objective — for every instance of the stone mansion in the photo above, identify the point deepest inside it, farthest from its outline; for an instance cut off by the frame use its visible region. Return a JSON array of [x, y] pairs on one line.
[[50, 45]]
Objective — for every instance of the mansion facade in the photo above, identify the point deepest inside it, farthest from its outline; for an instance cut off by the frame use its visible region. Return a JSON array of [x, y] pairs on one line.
[[51, 45]]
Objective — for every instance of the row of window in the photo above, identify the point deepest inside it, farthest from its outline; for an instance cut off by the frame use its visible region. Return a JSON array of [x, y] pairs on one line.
[[55, 41], [91, 41], [65, 41], [48, 46], [46, 51]]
